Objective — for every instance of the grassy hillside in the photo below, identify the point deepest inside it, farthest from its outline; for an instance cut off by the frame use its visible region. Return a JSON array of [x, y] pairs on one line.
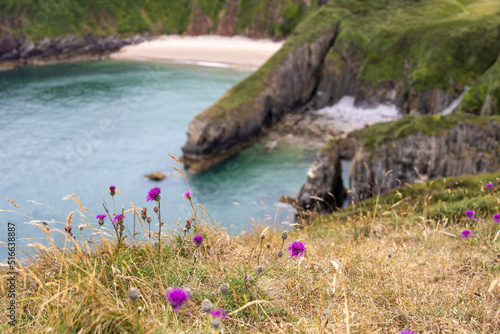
[[430, 125], [425, 44], [392, 263], [53, 18]]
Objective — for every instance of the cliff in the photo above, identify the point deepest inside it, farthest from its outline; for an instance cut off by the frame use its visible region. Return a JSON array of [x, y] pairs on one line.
[[54, 30], [418, 55], [286, 82], [413, 149]]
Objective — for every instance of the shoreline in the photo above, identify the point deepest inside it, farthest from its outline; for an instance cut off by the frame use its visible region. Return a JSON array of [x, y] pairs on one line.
[[206, 50]]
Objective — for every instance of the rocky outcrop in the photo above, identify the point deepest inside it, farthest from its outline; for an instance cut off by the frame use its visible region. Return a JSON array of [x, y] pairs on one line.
[[200, 24], [457, 145], [324, 190], [466, 148], [340, 77], [215, 135], [16, 51]]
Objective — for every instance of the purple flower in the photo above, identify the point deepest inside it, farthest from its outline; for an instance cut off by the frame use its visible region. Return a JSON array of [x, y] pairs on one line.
[[154, 194], [466, 234], [407, 332], [489, 185], [296, 249], [187, 194], [118, 218], [496, 217], [177, 297], [220, 313], [469, 214], [100, 217], [197, 240], [68, 229], [112, 190]]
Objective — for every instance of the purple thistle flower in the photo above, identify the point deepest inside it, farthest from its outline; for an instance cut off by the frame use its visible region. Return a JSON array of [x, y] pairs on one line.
[[112, 190], [407, 332], [469, 214], [496, 217], [187, 194], [118, 218], [68, 229], [197, 240], [466, 234], [154, 194], [100, 217], [296, 249], [177, 297], [489, 185], [220, 313]]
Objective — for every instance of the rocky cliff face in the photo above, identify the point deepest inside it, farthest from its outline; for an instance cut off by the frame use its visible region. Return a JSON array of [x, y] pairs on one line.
[[16, 50], [467, 147], [289, 86], [340, 76]]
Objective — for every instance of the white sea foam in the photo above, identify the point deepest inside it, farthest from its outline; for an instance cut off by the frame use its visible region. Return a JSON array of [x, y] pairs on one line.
[[345, 116]]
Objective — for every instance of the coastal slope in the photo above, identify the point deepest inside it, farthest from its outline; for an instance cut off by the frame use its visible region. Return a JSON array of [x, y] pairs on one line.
[[400, 52], [41, 32]]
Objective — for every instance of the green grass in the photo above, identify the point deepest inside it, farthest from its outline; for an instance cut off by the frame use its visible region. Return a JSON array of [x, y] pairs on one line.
[[430, 125], [56, 18], [424, 44]]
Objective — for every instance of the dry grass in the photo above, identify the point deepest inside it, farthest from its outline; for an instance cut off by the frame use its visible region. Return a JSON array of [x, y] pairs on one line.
[[362, 273]]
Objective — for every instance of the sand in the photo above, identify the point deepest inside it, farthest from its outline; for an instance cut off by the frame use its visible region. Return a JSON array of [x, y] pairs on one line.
[[213, 51]]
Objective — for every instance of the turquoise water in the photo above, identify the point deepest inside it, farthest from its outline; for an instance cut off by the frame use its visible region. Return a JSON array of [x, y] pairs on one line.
[[79, 128]]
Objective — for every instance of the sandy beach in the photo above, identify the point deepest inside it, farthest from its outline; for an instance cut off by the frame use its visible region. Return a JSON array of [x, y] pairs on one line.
[[202, 50]]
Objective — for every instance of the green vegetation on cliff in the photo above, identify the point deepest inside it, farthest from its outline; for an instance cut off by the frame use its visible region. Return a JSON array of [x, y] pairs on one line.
[[426, 44], [239, 99], [484, 96], [430, 125], [56, 18]]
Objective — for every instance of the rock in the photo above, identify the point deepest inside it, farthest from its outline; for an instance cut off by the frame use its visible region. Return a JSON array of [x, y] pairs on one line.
[[469, 146], [44, 45], [323, 190], [201, 24], [228, 22], [289, 86], [288, 200], [26, 48], [466, 148], [156, 176]]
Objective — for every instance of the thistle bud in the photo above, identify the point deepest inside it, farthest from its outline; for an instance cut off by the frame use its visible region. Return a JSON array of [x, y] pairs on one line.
[[148, 219], [250, 279], [156, 209], [133, 294], [268, 245], [100, 221], [144, 213], [224, 289], [280, 253], [189, 221], [262, 236], [112, 190], [215, 323], [284, 235], [185, 230], [206, 306], [259, 269]]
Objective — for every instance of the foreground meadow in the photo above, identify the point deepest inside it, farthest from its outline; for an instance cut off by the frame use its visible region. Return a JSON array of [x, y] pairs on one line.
[[421, 259]]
